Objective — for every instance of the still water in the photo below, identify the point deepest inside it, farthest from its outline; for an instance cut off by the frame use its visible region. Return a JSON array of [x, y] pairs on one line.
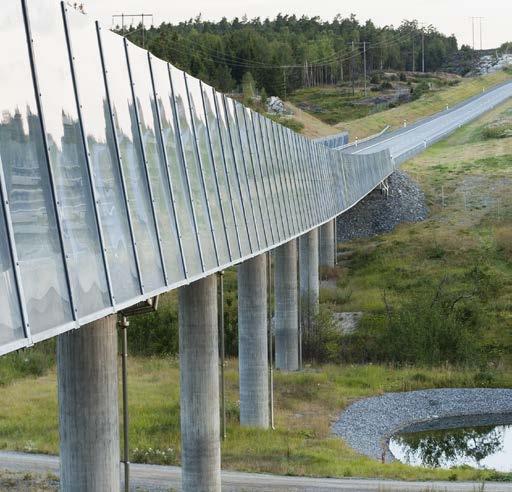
[[479, 447]]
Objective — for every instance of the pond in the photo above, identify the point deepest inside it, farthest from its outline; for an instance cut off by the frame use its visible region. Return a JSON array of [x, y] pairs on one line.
[[480, 447]]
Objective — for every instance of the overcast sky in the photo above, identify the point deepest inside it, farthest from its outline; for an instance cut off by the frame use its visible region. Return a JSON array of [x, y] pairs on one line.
[[449, 16]]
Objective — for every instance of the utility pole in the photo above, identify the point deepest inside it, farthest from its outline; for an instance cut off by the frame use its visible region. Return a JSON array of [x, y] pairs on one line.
[[473, 30], [365, 81], [413, 53], [133, 16], [423, 49], [353, 69]]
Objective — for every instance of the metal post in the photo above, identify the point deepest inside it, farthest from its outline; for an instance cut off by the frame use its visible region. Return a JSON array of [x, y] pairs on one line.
[[126, 441], [222, 352], [270, 342]]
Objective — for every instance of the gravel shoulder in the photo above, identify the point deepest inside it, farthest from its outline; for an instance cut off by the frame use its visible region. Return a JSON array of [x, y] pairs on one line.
[[368, 424]]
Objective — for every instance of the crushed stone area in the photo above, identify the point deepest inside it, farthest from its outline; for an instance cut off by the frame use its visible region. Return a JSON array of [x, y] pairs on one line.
[[367, 425], [378, 213]]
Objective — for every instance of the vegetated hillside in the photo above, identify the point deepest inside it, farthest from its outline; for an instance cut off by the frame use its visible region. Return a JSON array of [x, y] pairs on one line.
[[311, 106], [288, 52], [384, 90]]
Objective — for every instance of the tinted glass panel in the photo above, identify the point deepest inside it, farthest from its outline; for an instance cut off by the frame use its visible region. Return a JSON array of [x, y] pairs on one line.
[[11, 325], [220, 169], [275, 177], [241, 171], [264, 218], [265, 177], [208, 171], [67, 159], [149, 127], [128, 139], [232, 174], [102, 157], [176, 169], [27, 181], [193, 168]]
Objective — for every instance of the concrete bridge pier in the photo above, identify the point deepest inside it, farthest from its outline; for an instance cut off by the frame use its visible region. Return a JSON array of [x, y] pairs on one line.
[[309, 275], [286, 307], [88, 408], [199, 379], [327, 244], [253, 342]]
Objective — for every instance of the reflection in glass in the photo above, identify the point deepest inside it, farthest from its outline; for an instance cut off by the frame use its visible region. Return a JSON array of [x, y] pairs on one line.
[[209, 177], [192, 168], [232, 174], [177, 177], [238, 151], [149, 127], [224, 189], [255, 178], [264, 176], [27, 181], [102, 156], [11, 324], [67, 159], [128, 140]]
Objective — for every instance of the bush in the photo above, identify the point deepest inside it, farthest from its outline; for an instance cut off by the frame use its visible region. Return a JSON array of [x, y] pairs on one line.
[[420, 89], [321, 342], [288, 122], [34, 362], [386, 85], [375, 78], [403, 77], [436, 327]]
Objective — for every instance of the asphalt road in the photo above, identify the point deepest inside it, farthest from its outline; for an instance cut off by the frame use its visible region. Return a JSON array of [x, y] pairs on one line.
[[429, 130], [164, 478]]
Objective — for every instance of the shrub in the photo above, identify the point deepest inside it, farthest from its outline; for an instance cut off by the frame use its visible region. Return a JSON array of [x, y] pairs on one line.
[[433, 327], [386, 85], [403, 77], [321, 342], [420, 89]]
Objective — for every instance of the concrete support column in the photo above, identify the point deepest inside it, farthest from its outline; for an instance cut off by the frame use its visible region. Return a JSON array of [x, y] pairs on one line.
[[286, 307], [309, 275], [88, 408], [199, 379], [327, 244], [252, 342]]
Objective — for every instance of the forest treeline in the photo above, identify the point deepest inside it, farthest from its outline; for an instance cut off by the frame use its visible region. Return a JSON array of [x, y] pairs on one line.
[[290, 52]]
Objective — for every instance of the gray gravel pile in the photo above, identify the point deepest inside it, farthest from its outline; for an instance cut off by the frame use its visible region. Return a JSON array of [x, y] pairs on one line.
[[368, 424], [378, 213]]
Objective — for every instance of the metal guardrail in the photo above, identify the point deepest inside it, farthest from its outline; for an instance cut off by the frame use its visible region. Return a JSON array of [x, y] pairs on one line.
[[122, 177]]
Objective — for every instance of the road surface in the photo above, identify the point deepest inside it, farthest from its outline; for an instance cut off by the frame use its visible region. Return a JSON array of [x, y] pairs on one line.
[[164, 478], [415, 137]]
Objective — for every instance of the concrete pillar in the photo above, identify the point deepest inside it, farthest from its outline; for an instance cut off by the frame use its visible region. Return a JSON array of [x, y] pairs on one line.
[[88, 407], [252, 342], [327, 245], [309, 275], [199, 379], [286, 307]]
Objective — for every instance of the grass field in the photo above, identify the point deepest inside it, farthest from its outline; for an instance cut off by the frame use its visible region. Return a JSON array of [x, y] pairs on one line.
[[412, 259]]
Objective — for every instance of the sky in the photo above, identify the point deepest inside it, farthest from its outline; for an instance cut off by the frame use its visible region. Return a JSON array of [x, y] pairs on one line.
[[449, 16]]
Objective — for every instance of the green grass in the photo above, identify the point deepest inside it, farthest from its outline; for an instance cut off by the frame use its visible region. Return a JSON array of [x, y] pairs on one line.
[[305, 404]]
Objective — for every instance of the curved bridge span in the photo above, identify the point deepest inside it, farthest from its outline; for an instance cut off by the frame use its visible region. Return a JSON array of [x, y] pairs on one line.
[[122, 178]]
